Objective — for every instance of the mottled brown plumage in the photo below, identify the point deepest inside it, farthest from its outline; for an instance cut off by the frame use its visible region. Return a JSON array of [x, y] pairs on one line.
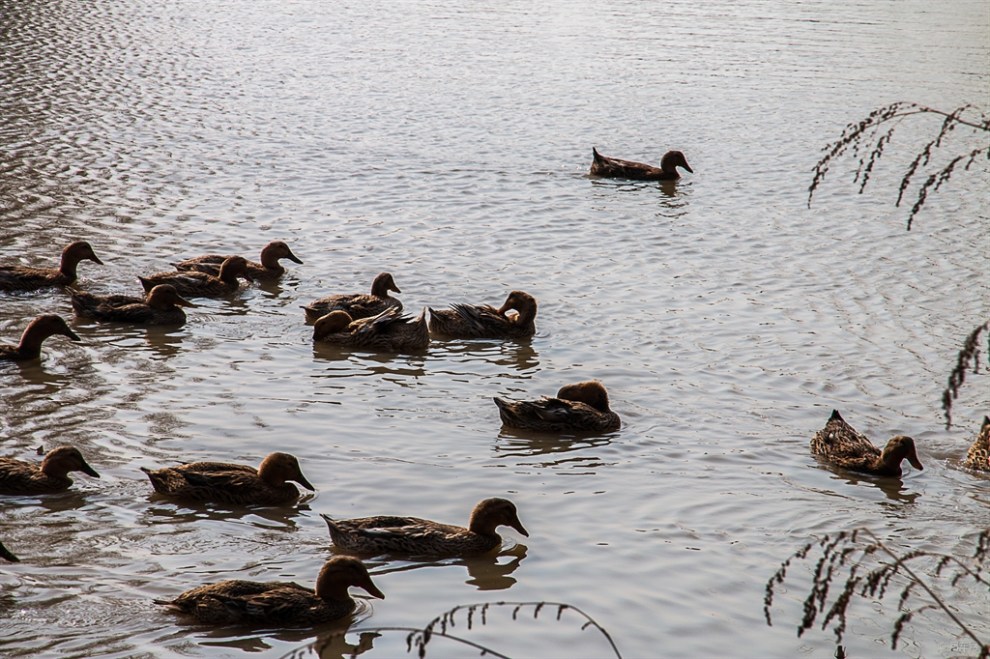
[[268, 270], [464, 321], [278, 603], [978, 456], [159, 307], [390, 331], [18, 477], [34, 335], [23, 278], [839, 444], [578, 407], [199, 284], [358, 305], [413, 536], [616, 168]]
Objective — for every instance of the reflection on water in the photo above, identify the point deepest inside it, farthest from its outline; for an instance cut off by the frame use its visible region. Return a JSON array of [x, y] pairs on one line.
[[336, 646]]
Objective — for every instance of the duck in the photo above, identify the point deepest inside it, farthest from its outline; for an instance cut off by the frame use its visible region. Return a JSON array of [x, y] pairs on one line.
[[34, 335], [23, 278], [268, 270], [161, 306], [391, 330], [413, 536], [21, 477], [358, 305], [222, 482], [278, 603], [464, 321], [839, 444], [8, 555], [615, 168], [200, 284], [978, 456], [582, 406]]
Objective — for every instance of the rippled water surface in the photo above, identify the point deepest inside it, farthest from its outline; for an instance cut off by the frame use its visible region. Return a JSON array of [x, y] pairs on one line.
[[448, 143]]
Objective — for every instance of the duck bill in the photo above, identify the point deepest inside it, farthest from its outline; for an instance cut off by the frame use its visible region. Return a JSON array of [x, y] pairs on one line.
[[95, 259], [183, 302], [72, 335], [517, 525], [305, 483], [502, 309], [688, 167], [394, 289], [373, 589], [913, 459], [292, 257], [86, 469]]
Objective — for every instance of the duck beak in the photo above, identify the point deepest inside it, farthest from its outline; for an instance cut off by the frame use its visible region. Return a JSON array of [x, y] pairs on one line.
[[913, 459], [293, 257], [95, 259], [372, 589], [183, 302], [86, 469], [688, 167], [517, 525], [72, 335], [305, 483], [394, 289], [505, 307]]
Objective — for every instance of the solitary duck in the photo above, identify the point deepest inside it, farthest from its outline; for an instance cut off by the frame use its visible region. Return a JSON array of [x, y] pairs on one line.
[[978, 456], [421, 537], [7, 555], [839, 444], [616, 168], [23, 278], [162, 306], [578, 407], [268, 270], [358, 305], [20, 477], [200, 284], [232, 483], [391, 330], [34, 335], [278, 603], [464, 321]]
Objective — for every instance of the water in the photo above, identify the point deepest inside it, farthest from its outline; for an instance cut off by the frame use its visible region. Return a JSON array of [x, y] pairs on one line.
[[448, 144]]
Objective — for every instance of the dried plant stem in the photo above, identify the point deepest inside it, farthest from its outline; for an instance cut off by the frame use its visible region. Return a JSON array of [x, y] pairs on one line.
[[968, 355]]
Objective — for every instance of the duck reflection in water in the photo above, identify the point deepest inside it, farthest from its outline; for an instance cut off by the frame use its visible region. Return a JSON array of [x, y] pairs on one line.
[[485, 571]]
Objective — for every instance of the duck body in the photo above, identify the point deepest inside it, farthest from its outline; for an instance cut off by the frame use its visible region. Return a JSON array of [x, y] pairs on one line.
[[390, 331], [222, 482], [607, 167], [18, 477], [412, 536], [358, 305], [978, 456], [161, 306], [23, 278], [464, 321], [192, 283], [34, 335], [278, 603], [269, 269], [577, 407], [840, 444]]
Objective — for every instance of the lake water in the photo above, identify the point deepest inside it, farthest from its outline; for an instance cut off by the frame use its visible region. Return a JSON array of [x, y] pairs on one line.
[[448, 143]]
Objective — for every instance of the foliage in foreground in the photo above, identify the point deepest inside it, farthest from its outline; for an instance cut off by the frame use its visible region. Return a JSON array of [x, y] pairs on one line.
[[969, 355]]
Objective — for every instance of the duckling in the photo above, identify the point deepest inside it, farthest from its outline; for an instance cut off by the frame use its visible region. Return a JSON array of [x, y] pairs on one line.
[[421, 537], [159, 307], [839, 444], [391, 331], [232, 483], [7, 555], [978, 456], [578, 407], [34, 334], [20, 477], [358, 305], [616, 168], [463, 321], [268, 270], [23, 278], [200, 284], [278, 603]]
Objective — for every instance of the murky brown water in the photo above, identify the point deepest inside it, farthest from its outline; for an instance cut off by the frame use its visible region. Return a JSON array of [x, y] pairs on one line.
[[448, 145]]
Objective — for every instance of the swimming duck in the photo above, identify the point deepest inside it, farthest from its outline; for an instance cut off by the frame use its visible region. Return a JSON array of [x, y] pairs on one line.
[[159, 307], [616, 168], [268, 270], [200, 284], [278, 603], [391, 330], [978, 456], [7, 555], [358, 305], [578, 407], [232, 483], [23, 278], [34, 334], [839, 444], [464, 321], [20, 477], [421, 537]]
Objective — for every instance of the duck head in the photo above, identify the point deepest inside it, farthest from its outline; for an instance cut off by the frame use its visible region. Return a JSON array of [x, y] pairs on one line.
[[489, 514], [896, 450], [383, 284], [47, 325], [164, 296], [521, 302], [233, 267], [332, 323], [280, 467], [340, 572], [590, 392], [60, 461], [276, 250], [672, 160], [76, 252]]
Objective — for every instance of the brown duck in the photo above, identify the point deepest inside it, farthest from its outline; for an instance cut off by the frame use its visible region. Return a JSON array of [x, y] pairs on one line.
[[20, 477], [578, 407], [615, 168], [268, 270], [391, 331], [278, 603], [839, 444], [464, 321], [162, 306], [34, 335], [421, 537], [223, 482], [23, 278], [978, 456], [358, 305], [199, 284]]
